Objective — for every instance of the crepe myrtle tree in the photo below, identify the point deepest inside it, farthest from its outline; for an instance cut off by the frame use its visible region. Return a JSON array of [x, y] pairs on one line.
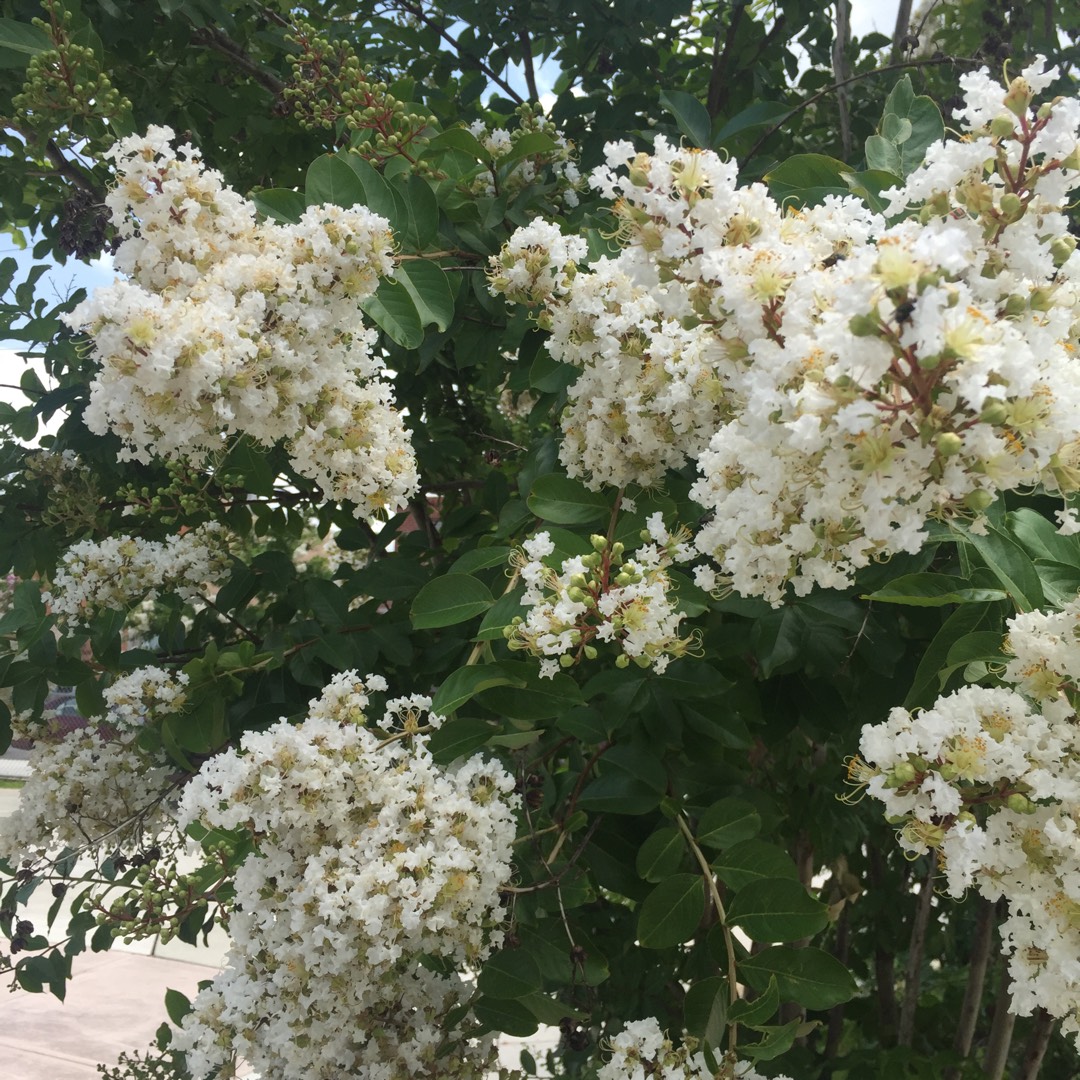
[[535, 473]]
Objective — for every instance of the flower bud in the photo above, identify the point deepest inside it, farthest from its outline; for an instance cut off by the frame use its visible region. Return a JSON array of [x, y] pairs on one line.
[[949, 444], [1002, 126], [978, 500]]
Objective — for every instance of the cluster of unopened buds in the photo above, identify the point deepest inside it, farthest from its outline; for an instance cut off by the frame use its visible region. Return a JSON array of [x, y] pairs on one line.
[[602, 598], [987, 780]]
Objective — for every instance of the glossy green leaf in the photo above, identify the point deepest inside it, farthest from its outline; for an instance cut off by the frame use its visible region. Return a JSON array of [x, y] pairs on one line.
[[559, 499], [811, 977], [659, 857], [280, 204], [805, 179], [19, 41], [330, 180], [774, 1041], [759, 114], [459, 737], [465, 683], [429, 290], [933, 590], [758, 1011], [510, 973], [448, 600], [671, 912], [618, 793], [727, 822], [533, 698], [752, 860], [777, 909], [1010, 564], [691, 117], [705, 1009], [394, 311], [507, 1016]]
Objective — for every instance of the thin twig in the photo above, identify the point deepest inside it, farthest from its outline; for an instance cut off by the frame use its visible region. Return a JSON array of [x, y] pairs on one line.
[[1001, 1030]]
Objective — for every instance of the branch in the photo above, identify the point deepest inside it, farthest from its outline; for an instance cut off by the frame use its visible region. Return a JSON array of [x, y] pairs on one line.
[[1001, 1030], [717, 96], [932, 61], [916, 949], [222, 43], [72, 172], [841, 71], [527, 63], [980, 955], [1037, 1043], [900, 33], [427, 20]]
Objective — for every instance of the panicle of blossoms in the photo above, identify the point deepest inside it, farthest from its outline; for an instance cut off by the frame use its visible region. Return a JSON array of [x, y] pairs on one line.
[[118, 572], [558, 161], [988, 779], [97, 785], [642, 1049], [370, 857], [227, 325], [838, 381], [600, 598]]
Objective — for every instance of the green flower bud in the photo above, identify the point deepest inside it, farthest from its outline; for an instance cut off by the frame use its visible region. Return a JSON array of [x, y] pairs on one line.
[[978, 500], [949, 444]]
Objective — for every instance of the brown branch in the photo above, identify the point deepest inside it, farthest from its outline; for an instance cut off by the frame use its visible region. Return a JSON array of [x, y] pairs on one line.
[[836, 1013], [916, 950], [900, 33], [222, 43], [427, 20], [980, 956], [841, 71], [1037, 1043], [1001, 1030], [70, 171], [717, 96], [527, 64]]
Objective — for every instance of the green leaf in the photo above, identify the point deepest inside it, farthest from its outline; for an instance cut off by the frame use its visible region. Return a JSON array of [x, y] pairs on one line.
[[500, 615], [805, 179], [926, 686], [535, 699], [528, 145], [618, 793], [777, 909], [705, 1010], [465, 683], [911, 123], [775, 1041], [481, 559], [933, 590], [508, 1016], [883, 155], [459, 737], [758, 1011], [559, 499], [423, 214], [510, 973], [177, 1006], [691, 117], [394, 311], [659, 857], [727, 822], [458, 138], [280, 204], [19, 41], [448, 600], [753, 860], [757, 115], [377, 195], [811, 977], [1010, 564], [330, 180], [429, 289], [1041, 540], [671, 912]]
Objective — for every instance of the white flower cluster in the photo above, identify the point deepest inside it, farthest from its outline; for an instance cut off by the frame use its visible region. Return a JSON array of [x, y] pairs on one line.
[[369, 858], [836, 380], [602, 597], [227, 325], [120, 571], [989, 778], [642, 1050], [97, 786], [527, 168]]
